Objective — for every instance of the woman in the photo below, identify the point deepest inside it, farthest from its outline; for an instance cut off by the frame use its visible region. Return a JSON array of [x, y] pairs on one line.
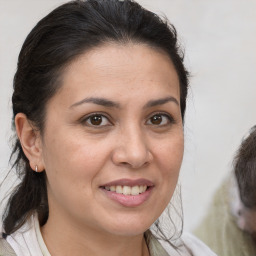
[[98, 104]]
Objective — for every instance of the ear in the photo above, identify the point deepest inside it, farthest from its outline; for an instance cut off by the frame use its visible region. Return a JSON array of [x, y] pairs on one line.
[[30, 141]]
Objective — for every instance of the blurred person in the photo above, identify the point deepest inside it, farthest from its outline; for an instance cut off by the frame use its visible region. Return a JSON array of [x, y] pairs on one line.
[[229, 227]]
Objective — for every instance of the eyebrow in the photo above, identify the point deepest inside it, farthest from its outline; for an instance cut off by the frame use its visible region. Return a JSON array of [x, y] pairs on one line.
[[111, 104], [153, 103], [98, 101]]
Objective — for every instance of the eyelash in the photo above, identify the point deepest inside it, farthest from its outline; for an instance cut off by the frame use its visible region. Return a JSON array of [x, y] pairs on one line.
[[103, 116], [170, 119]]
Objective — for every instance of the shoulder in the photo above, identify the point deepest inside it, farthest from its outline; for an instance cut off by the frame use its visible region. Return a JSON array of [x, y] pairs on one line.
[[187, 245], [220, 233], [196, 246], [5, 248], [21, 242]]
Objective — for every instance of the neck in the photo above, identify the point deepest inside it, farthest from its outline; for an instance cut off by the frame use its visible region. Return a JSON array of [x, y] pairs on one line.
[[63, 238]]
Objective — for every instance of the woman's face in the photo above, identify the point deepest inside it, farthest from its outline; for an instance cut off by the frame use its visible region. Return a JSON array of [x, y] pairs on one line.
[[113, 140]]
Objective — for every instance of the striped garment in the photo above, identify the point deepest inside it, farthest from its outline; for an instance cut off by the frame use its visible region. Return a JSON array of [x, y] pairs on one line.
[[28, 241]]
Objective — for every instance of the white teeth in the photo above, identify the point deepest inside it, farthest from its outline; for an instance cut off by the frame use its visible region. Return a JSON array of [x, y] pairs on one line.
[[127, 190], [119, 189], [143, 188], [135, 190]]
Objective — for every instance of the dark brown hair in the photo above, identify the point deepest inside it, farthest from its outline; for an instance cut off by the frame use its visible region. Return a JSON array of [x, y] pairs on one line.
[[57, 39], [245, 169]]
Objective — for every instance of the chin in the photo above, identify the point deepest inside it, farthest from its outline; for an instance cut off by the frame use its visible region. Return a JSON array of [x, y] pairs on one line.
[[129, 232], [130, 229]]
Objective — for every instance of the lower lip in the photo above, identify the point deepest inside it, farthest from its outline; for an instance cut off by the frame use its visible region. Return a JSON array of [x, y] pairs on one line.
[[129, 200]]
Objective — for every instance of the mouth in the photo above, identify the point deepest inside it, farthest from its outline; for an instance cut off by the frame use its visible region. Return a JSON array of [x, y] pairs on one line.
[[127, 190], [130, 193]]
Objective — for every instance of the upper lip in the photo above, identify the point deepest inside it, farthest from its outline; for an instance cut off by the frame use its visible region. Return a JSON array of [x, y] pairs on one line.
[[129, 182]]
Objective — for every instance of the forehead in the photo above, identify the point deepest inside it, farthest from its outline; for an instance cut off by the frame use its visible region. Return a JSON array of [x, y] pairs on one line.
[[121, 69]]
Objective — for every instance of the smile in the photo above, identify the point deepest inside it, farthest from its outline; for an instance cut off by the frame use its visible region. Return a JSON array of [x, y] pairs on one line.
[[127, 190], [129, 193]]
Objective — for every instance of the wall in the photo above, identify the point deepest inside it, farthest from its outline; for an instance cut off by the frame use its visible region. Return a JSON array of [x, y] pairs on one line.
[[219, 38]]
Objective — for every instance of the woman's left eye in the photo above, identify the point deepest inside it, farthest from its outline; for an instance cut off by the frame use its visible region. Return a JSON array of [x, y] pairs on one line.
[[160, 120], [97, 120]]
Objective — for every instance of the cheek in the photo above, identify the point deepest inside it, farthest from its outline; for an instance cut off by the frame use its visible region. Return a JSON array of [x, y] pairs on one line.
[[72, 170], [73, 160], [170, 156], [170, 153], [72, 149]]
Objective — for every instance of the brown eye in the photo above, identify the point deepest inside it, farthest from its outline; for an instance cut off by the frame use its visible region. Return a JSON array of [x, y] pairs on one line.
[[97, 120], [160, 120], [156, 119]]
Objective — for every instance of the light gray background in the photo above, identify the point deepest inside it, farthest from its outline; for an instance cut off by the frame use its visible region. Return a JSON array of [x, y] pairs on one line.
[[219, 38]]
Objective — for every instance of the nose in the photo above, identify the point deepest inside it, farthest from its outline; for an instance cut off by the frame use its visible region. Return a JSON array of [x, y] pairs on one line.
[[132, 150]]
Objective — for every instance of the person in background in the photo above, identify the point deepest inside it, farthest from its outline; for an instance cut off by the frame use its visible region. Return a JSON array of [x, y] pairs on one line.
[[229, 228]]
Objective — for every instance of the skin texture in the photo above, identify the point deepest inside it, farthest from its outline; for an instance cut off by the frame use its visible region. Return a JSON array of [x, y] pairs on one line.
[[79, 157]]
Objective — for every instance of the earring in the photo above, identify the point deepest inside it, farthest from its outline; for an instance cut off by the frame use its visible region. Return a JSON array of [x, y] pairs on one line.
[[36, 168]]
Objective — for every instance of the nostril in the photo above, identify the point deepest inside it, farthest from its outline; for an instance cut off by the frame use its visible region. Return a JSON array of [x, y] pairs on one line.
[[131, 156], [124, 163], [133, 165]]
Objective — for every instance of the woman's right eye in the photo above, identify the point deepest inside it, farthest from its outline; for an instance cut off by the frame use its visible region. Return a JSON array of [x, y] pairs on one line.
[[97, 120]]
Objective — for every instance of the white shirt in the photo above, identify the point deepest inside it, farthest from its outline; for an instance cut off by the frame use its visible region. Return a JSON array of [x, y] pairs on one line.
[[28, 241]]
